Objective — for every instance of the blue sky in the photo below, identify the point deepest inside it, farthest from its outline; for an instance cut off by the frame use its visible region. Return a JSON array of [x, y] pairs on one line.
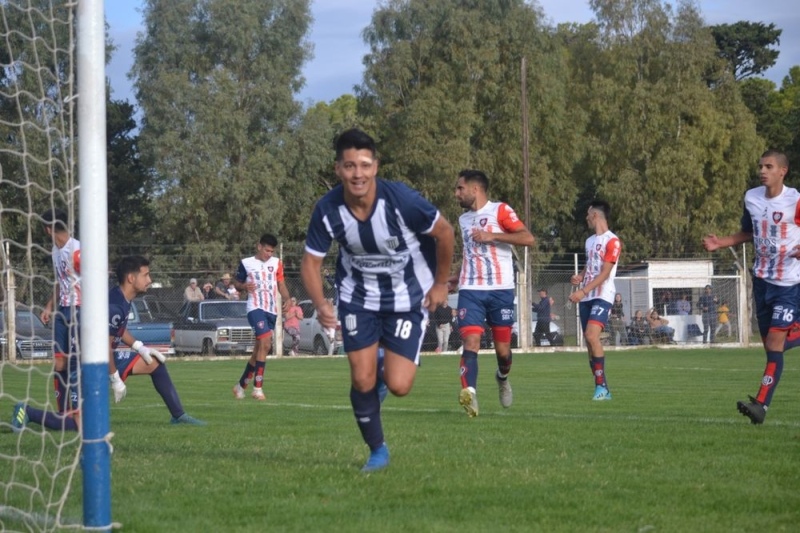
[[339, 49]]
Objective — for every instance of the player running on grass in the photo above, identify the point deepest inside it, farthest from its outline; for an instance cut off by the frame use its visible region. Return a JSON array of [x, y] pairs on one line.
[[395, 251], [771, 220], [597, 290], [261, 276], [486, 285]]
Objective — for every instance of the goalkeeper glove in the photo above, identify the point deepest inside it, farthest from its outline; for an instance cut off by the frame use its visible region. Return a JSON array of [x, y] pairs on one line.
[[118, 385], [148, 353]]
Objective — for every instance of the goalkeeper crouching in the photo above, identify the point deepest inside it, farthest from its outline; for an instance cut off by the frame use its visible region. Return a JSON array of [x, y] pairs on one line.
[[133, 277]]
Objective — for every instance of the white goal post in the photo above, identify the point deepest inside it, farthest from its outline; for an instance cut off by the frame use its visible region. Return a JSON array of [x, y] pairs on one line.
[[52, 156]]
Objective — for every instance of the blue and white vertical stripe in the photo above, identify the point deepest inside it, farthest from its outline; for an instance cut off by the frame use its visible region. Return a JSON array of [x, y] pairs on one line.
[[387, 262]]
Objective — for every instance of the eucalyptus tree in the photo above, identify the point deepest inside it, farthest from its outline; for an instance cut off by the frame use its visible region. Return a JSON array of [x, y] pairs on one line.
[[216, 83], [671, 154], [442, 84]]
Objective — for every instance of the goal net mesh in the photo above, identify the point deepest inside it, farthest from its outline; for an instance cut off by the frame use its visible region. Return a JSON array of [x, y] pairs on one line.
[[39, 487]]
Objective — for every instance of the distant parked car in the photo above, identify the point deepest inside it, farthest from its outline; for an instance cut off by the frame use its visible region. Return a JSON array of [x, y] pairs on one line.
[[312, 337], [213, 327], [34, 340]]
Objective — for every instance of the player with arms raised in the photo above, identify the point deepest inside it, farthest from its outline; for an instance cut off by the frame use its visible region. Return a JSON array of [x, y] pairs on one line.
[[395, 252]]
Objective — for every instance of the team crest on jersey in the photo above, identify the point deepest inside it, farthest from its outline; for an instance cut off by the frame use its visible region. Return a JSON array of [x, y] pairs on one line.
[[271, 269], [261, 324], [392, 243], [462, 313], [351, 325], [483, 222], [777, 216], [115, 320], [598, 247]]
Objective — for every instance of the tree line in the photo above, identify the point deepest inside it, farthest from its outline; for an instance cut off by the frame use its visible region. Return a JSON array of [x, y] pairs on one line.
[[646, 106]]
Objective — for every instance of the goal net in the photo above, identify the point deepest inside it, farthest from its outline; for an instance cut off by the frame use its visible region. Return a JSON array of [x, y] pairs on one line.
[[40, 165]]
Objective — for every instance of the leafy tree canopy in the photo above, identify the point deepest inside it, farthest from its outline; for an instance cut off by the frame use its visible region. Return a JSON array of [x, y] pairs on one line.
[[746, 46]]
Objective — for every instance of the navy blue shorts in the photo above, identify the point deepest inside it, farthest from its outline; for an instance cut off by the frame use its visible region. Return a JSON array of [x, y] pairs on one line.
[[263, 323], [776, 306], [478, 307], [66, 331], [400, 332], [594, 311], [124, 361]]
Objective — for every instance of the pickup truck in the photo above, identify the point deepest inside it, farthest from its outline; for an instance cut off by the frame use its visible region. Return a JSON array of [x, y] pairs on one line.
[[146, 327], [213, 327]]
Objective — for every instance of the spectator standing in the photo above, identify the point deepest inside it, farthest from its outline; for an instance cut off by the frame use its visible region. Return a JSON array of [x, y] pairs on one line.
[[683, 306], [616, 319], [486, 284], [772, 223], [208, 291], [708, 307], [261, 276], [395, 252], [597, 290], [544, 313], [724, 320], [193, 293], [442, 319], [291, 324]]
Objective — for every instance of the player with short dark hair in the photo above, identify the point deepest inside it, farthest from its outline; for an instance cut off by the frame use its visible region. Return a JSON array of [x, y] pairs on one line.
[[486, 284], [596, 293], [66, 303], [262, 277], [395, 251], [771, 220], [133, 278]]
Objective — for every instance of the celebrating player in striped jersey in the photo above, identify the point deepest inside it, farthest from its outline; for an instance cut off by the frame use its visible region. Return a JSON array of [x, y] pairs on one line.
[[771, 220], [486, 283], [597, 290], [395, 252], [262, 277]]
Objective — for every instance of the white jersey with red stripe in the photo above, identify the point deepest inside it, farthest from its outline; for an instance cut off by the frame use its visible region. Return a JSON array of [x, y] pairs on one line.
[[488, 266], [67, 264], [775, 225], [604, 248], [266, 275]]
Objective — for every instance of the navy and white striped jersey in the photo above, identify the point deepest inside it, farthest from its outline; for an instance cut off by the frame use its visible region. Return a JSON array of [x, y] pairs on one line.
[[387, 262]]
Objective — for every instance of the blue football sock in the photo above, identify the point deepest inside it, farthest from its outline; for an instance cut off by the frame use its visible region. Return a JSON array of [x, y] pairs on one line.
[[504, 366], [247, 375], [598, 366], [367, 410], [469, 369], [772, 375], [166, 389], [51, 420]]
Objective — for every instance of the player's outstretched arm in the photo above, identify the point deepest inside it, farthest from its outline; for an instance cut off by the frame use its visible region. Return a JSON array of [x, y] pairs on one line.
[[711, 242]]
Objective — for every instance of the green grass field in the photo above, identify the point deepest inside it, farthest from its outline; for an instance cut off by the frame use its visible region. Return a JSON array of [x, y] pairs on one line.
[[670, 453]]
